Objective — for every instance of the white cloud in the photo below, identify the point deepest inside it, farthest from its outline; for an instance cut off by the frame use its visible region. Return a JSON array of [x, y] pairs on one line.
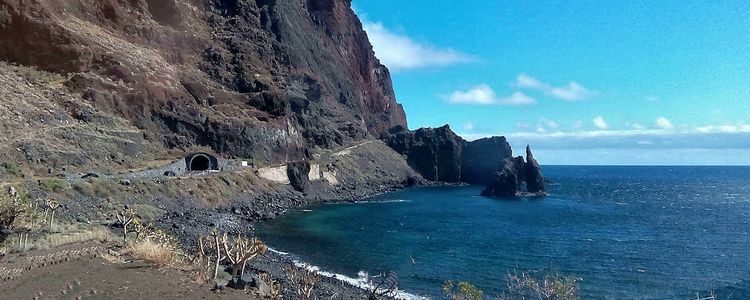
[[469, 126], [549, 123], [571, 92], [400, 52], [484, 95], [724, 129], [481, 94], [527, 82], [688, 131], [517, 98], [664, 123], [600, 123], [637, 126]]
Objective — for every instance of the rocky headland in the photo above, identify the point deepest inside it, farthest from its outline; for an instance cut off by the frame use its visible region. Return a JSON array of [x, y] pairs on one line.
[[438, 154]]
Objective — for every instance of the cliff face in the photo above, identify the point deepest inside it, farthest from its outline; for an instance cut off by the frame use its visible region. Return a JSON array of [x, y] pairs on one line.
[[261, 79], [441, 155], [517, 177], [433, 152]]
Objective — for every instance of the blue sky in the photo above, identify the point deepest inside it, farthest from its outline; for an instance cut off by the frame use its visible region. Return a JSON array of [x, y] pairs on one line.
[[590, 82]]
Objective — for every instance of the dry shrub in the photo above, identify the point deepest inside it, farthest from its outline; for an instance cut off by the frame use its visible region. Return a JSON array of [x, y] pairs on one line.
[[158, 254], [526, 285], [59, 239], [303, 280]]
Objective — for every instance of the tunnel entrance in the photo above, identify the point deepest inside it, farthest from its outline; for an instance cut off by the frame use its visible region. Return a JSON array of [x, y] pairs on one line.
[[200, 163]]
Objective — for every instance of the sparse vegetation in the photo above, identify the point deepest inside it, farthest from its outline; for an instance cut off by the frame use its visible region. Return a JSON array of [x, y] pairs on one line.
[[75, 235], [303, 280], [150, 251], [462, 291], [151, 245], [526, 285], [387, 288], [51, 185], [521, 286], [126, 218], [13, 168], [18, 215], [52, 205], [211, 254]]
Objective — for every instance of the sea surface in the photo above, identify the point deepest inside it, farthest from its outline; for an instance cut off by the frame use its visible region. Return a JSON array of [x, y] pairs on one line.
[[628, 232]]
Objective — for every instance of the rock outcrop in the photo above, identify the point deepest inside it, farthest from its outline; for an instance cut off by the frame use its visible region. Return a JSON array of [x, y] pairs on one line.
[[517, 177], [441, 155], [433, 152], [298, 174], [260, 79], [482, 158]]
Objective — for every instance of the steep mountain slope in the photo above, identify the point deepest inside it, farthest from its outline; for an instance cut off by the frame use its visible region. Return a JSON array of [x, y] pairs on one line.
[[264, 79]]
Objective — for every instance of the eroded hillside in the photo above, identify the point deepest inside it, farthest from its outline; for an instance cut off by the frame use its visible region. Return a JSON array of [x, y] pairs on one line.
[[116, 83]]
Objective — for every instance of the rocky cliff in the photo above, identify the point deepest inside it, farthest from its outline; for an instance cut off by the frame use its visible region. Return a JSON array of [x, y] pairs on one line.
[[441, 155], [517, 177], [260, 79]]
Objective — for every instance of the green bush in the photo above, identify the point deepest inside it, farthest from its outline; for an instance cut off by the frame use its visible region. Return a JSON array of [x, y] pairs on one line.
[[13, 168], [51, 185], [463, 291], [518, 286]]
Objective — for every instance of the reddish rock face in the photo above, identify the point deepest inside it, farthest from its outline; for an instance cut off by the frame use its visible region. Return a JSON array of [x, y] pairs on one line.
[[262, 79]]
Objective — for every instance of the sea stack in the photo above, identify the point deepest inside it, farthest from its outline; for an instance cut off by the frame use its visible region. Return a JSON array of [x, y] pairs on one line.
[[517, 178]]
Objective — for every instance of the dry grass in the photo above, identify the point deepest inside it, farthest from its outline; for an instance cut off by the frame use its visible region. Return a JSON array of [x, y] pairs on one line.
[[152, 252], [59, 239]]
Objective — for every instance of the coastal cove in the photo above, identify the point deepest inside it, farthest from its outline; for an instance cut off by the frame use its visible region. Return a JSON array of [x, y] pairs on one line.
[[628, 232]]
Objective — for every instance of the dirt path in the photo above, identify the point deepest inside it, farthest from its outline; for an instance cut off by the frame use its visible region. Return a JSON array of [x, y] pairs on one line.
[[348, 150], [96, 278]]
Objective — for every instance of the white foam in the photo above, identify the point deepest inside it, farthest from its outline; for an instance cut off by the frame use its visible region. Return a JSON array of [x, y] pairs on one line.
[[383, 201], [277, 251], [362, 281]]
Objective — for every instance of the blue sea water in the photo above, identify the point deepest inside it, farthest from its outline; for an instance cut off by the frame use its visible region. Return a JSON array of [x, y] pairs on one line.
[[628, 232]]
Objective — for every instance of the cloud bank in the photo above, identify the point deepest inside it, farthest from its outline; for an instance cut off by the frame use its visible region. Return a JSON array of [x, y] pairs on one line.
[[484, 95], [400, 52], [703, 137], [572, 92]]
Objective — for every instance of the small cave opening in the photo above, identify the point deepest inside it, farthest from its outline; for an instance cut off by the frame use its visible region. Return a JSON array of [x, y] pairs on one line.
[[200, 163]]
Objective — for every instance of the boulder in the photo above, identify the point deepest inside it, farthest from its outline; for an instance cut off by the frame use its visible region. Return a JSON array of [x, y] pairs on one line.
[[298, 173], [248, 281]]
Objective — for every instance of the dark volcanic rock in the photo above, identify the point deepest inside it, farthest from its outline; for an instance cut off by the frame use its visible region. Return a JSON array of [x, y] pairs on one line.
[[533, 174], [441, 155], [433, 152], [517, 178], [255, 79], [438, 154], [482, 158], [506, 182], [298, 173]]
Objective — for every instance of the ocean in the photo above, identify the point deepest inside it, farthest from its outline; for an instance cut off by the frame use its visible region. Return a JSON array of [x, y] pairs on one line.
[[627, 232]]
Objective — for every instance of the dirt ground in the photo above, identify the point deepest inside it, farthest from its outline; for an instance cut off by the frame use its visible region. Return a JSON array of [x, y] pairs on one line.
[[97, 278]]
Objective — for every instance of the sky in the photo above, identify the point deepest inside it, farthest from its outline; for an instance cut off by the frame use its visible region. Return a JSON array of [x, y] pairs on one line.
[[583, 82]]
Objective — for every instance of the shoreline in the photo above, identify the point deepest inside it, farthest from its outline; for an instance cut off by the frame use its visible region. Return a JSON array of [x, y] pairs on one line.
[[359, 286], [241, 216]]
